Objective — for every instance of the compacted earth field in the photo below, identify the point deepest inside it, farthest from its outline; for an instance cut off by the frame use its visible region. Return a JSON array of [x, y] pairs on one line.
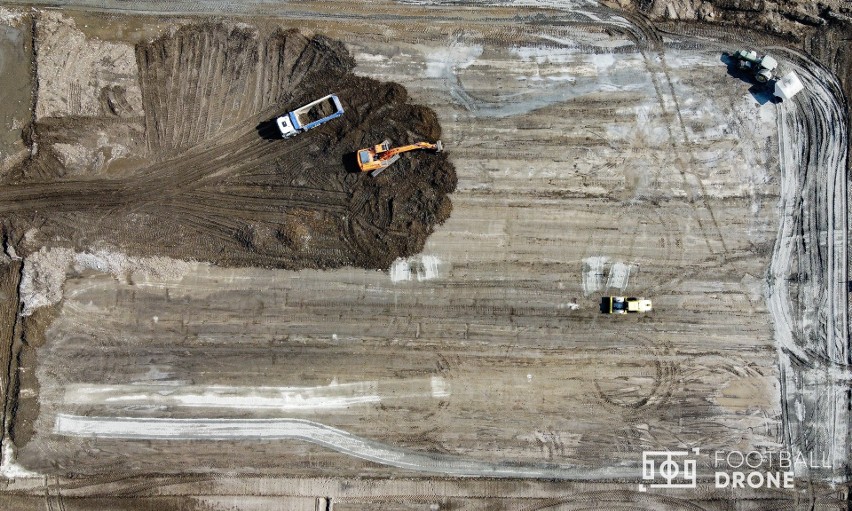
[[196, 314]]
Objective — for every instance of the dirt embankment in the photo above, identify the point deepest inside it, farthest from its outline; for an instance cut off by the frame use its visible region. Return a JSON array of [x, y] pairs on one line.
[[211, 179], [778, 17]]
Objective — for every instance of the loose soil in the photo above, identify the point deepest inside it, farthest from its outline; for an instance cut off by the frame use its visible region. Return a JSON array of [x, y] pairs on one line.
[[320, 111], [212, 180]]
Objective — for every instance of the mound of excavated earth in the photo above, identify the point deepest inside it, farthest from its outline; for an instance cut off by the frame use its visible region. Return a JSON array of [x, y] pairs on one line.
[[208, 177]]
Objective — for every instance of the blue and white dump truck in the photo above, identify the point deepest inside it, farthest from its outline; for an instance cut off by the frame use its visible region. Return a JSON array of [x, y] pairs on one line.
[[310, 116]]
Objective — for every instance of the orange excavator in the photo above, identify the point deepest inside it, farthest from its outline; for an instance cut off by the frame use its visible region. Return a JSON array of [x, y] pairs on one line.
[[379, 157]]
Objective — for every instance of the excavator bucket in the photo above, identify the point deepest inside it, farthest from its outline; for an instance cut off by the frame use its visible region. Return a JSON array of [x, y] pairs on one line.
[[439, 147]]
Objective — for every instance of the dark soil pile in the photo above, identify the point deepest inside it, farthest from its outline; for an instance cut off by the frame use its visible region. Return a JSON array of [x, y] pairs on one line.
[[319, 111], [220, 185]]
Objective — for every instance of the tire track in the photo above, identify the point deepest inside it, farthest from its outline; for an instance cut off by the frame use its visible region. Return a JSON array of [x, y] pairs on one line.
[[807, 295]]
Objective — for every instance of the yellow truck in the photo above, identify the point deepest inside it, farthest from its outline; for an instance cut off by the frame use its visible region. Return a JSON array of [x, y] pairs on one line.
[[622, 305]]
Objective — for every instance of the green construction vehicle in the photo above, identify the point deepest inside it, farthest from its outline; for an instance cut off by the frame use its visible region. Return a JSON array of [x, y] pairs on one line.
[[762, 68]]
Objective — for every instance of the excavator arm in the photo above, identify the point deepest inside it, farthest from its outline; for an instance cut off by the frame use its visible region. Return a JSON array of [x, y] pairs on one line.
[[413, 147], [382, 156]]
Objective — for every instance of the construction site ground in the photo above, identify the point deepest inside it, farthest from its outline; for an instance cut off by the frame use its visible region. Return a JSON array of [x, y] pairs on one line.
[[196, 314]]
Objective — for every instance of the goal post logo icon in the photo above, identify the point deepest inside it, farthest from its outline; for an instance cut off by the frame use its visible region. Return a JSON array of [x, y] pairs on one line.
[[668, 469]]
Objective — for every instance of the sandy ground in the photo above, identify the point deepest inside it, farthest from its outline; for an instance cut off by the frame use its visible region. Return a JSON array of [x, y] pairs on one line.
[[589, 161]]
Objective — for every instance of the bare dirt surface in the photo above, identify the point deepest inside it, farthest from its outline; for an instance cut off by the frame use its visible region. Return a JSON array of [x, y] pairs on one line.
[[15, 87], [209, 177], [809, 294], [597, 153]]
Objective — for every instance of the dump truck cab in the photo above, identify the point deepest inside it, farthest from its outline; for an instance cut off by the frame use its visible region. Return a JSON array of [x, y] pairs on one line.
[[622, 305]]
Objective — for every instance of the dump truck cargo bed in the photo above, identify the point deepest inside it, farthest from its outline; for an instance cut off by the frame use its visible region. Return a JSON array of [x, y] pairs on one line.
[[310, 116]]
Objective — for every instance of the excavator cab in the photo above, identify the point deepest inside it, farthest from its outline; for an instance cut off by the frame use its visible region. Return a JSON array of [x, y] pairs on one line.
[[367, 158]]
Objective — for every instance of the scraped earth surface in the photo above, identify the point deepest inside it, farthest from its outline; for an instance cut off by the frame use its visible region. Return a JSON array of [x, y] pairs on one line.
[[596, 156], [189, 163]]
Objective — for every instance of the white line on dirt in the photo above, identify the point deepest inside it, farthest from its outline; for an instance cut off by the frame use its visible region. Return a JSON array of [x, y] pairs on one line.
[[327, 397], [319, 434]]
